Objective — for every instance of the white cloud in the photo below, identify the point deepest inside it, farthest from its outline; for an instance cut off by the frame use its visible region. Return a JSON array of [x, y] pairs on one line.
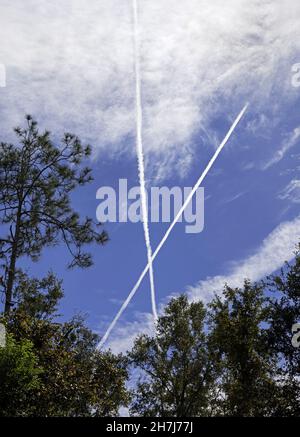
[[122, 338], [291, 141], [291, 192], [277, 247], [71, 64]]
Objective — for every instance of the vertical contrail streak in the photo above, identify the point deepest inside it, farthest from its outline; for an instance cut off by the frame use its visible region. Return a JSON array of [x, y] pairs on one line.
[[165, 237], [140, 156]]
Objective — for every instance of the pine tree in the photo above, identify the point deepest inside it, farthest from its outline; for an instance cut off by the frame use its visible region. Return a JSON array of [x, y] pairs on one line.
[[36, 180]]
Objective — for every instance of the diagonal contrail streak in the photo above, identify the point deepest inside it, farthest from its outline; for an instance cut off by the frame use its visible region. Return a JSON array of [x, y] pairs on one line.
[[140, 156], [165, 237]]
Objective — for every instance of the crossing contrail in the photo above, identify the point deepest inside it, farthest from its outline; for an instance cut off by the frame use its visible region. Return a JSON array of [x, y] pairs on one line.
[[140, 156], [165, 237]]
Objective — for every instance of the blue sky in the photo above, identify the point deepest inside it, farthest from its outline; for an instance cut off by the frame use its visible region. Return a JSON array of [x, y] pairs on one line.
[[200, 63]]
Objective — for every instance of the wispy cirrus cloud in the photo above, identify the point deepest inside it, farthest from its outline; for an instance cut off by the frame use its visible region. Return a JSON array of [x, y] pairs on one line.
[[233, 198], [292, 140], [71, 64], [291, 192]]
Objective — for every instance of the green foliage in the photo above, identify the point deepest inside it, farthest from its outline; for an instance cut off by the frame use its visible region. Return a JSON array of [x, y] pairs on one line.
[[37, 297], [240, 351], [108, 385], [234, 359], [20, 377], [77, 380], [284, 313], [176, 372]]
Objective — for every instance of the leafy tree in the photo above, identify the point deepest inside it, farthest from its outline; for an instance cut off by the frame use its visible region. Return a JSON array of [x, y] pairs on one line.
[[36, 180], [108, 385], [239, 345], [285, 312], [19, 375], [77, 379], [38, 298], [176, 371]]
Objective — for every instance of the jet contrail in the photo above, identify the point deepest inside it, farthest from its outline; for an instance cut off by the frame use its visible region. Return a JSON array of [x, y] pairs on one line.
[[165, 237], [140, 156]]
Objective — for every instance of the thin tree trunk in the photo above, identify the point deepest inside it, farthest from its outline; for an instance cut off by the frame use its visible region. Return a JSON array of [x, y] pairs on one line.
[[12, 265]]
